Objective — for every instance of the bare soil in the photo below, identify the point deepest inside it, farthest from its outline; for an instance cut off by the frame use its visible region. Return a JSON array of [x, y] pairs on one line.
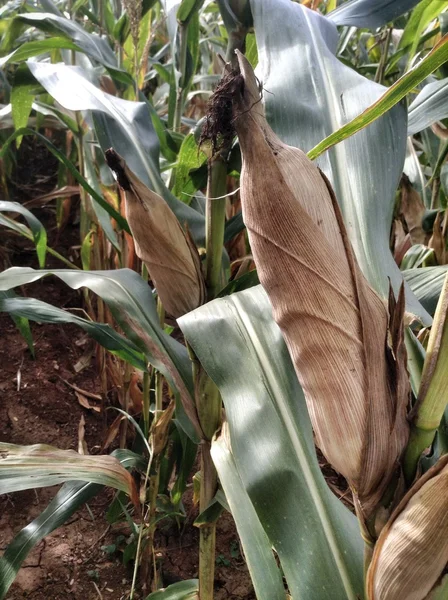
[[77, 561], [37, 406]]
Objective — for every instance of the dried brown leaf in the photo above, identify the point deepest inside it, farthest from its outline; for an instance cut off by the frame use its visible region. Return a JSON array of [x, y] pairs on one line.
[[85, 403], [437, 241], [112, 432], [160, 430], [401, 241], [82, 446], [413, 210], [81, 391]]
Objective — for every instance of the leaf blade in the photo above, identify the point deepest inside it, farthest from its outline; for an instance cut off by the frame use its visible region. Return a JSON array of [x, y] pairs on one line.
[[272, 444]]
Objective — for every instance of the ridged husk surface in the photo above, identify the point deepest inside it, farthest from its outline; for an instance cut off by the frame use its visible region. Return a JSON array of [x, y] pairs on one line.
[[169, 254], [347, 349], [412, 551]]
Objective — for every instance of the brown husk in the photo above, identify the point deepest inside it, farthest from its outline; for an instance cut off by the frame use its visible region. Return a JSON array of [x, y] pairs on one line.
[[160, 242], [334, 324], [411, 553], [413, 210]]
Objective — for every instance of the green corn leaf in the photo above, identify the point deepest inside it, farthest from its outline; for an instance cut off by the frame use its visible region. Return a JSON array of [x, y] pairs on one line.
[[36, 310], [70, 497], [126, 126], [94, 46], [29, 49], [183, 590], [273, 449], [36, 230], [396, 92], [22, 98], [187, 9], [190, 159], [29, 467], [426, 283], [430, 106], [132, 305], [368, 13], [21, 323], [425, 12], [266, 575], [306, 105], [416, 256]]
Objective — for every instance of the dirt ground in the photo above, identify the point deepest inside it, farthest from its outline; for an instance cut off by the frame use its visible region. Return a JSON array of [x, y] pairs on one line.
[[81, 560], [77, 561], [37, 406]]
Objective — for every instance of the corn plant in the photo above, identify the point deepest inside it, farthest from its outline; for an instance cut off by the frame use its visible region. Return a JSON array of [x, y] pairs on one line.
[[333, 340]]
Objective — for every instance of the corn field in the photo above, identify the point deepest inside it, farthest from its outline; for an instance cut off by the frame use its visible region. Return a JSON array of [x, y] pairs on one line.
[[259, 191]]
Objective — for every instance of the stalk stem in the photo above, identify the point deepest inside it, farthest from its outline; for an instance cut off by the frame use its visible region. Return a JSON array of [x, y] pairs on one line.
[[432, 398], [180, 91], [101, 352], [136, 71], [379, 75], [207, 396], [126, 389], [215, 222], [101, 19], [145, 403], [207, 537], [368, 553], [148, 556], [435, 193], [419, 440], [146, 378]]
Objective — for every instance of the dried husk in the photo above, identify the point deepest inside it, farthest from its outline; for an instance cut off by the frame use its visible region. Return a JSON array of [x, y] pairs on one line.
[[160, 430], [336, 327], [413, 210], [167, 251], [411, 553], [438, 239]]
